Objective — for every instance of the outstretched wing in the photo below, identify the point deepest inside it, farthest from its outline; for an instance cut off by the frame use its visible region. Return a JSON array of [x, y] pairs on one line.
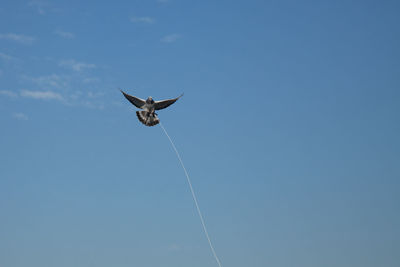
[[165, 103], [138, 102]]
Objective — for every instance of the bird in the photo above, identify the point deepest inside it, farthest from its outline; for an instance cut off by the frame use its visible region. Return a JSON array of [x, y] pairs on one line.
[[147, 115]]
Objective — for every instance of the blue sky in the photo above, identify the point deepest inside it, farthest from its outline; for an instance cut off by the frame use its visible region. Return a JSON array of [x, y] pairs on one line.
[[289, 127]]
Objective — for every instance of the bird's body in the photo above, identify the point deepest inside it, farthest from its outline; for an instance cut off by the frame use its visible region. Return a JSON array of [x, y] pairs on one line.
[[147, 115]]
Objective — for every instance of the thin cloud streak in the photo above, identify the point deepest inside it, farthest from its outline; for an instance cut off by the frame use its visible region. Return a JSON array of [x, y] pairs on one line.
[[20, 116], [43, 95], [75, 65], [39, 5], [8, 93], [170, 38], [91, 80], [19, 38], [64, 89], [6, 57], [174, 247], [147, 20], [65, 35], [53, 81]]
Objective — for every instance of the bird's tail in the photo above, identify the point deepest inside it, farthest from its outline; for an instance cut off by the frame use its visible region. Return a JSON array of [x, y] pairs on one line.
[[147, 118]]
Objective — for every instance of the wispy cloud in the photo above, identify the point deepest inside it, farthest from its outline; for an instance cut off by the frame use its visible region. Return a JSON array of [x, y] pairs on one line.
[[8, 93], [148, 20], [170, 38], [92, 105], [95, 94], [66, 35], [91, 80], [43, 7], [77, 87], [74, 89], [39, 6], [44, 95], [19, 38], [9, 63], [75, 65], [6, 57], [174, 247], [49, 81], [20, 116]]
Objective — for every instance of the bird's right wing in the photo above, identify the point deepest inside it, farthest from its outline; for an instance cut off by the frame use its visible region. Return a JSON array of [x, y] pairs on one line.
[[165, 103], [138, 102]]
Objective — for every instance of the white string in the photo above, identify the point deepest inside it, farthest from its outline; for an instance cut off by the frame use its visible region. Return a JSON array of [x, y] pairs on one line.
[[194, 197]]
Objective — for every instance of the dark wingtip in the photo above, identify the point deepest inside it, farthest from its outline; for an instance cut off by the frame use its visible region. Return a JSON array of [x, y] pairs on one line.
[[125, 94]]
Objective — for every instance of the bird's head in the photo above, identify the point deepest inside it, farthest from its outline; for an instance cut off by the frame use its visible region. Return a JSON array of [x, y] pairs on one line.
[[150, 100]]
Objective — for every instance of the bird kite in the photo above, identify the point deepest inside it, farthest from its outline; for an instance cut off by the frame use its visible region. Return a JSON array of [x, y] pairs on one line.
[[147, 116]]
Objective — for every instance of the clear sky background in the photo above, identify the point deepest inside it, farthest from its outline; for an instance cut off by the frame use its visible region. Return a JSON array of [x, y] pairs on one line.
[[289, 127]]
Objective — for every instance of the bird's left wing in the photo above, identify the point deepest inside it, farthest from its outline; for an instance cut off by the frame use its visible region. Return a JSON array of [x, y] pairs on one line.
[[165, 103], [138, 102]]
